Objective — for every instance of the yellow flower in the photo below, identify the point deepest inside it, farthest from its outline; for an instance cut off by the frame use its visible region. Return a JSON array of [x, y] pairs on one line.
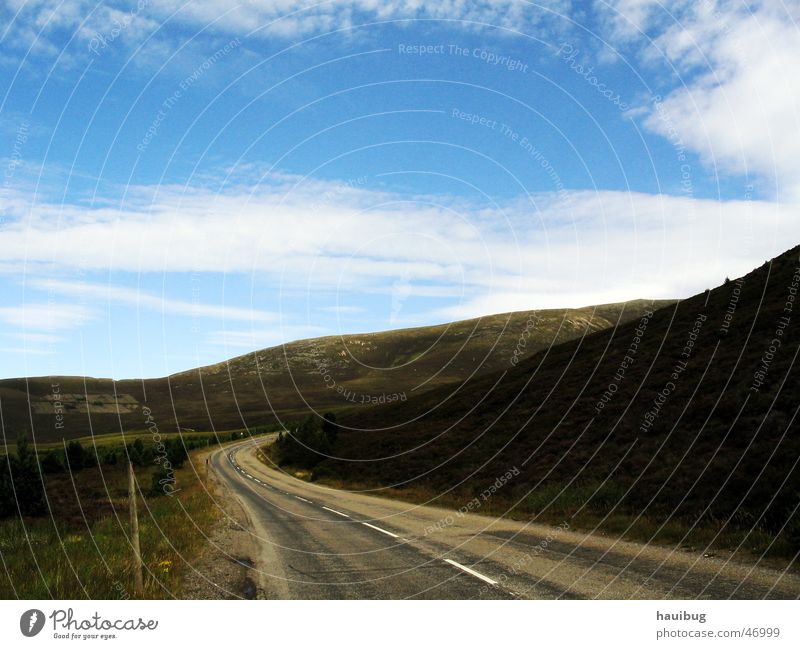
[[165, 565]]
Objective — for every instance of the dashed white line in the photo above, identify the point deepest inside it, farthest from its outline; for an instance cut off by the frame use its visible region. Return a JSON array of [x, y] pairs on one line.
[[470, 571], [303, 499], [335, 512], [394, 536]]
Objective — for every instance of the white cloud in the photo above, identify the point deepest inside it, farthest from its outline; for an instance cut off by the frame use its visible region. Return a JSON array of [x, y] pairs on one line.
[[735, 97], [32, 23], [45, 316], [144, 300], [289, 18], [594, 247]]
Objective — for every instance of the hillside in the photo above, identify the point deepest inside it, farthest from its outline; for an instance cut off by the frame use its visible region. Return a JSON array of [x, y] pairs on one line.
[[324, 373], [688, 415]]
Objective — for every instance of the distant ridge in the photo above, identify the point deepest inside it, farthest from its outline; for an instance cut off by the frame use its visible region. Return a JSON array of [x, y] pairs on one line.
[[329, 373]]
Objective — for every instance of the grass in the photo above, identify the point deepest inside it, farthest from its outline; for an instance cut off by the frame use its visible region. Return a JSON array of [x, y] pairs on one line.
[[82, 551], [591, 508]]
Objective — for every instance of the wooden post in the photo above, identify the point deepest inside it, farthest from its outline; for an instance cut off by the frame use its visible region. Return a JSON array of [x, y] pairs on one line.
[[138, 588]]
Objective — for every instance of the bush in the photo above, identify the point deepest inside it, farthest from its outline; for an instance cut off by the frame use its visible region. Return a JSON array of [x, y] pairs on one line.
[[138, 454], [162, 481], [53, 462], [21, 487], [75, 456], [305, 446], [176, 452], [330, 428], [7, 500]]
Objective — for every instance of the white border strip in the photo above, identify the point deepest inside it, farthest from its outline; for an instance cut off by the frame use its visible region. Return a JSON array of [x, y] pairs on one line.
[[470, 571], [335, 512], [394, 536]]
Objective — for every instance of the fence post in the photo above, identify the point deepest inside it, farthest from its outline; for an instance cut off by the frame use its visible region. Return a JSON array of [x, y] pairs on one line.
[[137, 554]]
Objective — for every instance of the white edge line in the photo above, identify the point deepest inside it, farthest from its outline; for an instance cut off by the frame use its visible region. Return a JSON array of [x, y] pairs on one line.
[[394, 536], [471, 572], [335, 512]]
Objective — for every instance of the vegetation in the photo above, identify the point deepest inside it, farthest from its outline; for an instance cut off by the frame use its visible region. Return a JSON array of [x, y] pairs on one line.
[[305, 444], [64, 518], [329, 374], [20, 485], [693, 429], [81, 548]]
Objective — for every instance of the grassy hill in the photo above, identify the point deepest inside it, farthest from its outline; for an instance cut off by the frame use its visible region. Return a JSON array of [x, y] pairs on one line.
[[327, 374], [689, 417]]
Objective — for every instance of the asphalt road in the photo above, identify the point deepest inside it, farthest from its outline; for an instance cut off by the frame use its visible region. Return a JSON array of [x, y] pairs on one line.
[[314, 542]]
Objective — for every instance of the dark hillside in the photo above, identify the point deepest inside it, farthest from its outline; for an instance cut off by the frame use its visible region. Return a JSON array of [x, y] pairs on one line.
[[690, 413]]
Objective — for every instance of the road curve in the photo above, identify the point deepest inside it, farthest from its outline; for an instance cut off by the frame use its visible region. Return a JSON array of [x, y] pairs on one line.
[[314, 542]]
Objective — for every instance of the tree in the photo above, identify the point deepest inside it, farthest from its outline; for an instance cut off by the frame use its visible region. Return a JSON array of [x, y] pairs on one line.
[[176, 452], [7, 502], [330, 428], [75, 455], [305, 446], [137, 453], [53, 462], [162, 481], [27, 480]]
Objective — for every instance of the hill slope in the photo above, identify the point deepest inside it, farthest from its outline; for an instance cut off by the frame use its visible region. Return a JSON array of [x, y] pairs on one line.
[[690, 413], [324, 373]]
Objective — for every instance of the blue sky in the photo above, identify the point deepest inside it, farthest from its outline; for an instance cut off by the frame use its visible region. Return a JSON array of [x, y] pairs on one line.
[[185, 182]]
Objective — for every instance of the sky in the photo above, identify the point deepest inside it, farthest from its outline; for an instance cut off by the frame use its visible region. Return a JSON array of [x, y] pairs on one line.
[[184, 182]]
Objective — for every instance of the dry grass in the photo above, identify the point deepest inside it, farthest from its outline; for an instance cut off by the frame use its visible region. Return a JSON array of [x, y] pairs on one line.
[[83, 552]]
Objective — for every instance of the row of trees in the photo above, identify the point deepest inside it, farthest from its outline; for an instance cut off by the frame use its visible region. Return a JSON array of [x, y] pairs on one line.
[[76, 457], [21, 489], [21, 474], [308, 443]]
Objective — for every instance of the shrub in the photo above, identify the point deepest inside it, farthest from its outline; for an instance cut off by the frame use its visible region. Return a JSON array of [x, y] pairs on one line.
[[330, 428], [25, 488], [305, 446], [53, 462], [75, 456]]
